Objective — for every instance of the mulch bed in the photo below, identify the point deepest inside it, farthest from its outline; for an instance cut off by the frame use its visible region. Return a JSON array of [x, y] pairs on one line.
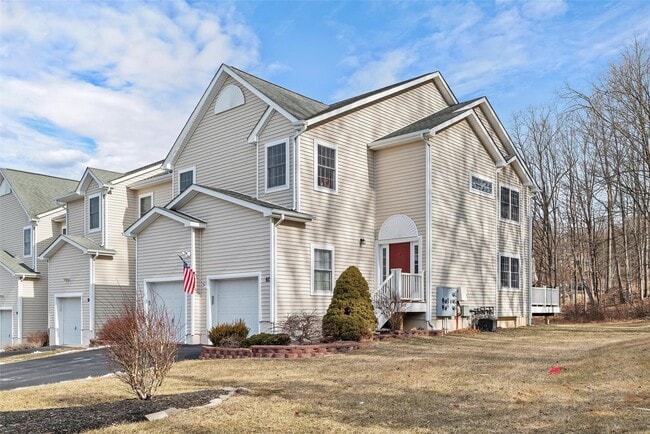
[[83, 418]]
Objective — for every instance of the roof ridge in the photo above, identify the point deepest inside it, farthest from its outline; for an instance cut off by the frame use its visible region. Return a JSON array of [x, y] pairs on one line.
[[38, 174]]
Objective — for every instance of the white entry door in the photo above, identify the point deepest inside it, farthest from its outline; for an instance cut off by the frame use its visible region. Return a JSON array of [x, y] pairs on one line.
[[234, 299], [170, 295], [5, 328], [70, 320]]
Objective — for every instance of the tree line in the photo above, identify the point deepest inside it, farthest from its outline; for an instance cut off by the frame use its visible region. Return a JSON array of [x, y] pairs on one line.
[[590, 155]]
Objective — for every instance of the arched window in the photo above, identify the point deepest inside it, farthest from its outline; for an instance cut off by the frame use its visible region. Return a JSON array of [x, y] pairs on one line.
[[230, 96]]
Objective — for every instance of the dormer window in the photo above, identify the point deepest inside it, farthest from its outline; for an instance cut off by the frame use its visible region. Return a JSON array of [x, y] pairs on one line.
[[185, 179], [230, 96]]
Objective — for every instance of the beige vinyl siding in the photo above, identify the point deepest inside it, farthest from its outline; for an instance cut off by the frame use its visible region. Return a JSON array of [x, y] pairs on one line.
[[76, 218], [481, 115], [95, 236], [236, 241], [9, 289], [401, 184], [162, 194], [513, 242], [159, 245], [463, 229], [110, 302], [69, 263], [342, 219], [34, 293], [13, 219], [277, 128], [120, 209], [219, 149]]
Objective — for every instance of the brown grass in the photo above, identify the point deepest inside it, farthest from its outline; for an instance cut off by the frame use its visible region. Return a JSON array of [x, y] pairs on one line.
[[488, 382]]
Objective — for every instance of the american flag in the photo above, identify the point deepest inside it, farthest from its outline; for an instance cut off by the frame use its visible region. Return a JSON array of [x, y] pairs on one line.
[[189, 278]]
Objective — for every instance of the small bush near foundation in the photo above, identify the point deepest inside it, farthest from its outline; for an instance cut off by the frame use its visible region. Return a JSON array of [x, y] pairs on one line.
[[228, 335], [38, 339], [113, 329], [266, 339], [303, 327], [350, 316]]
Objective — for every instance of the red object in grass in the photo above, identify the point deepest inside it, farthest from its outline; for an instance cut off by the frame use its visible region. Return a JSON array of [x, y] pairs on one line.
[[554, 370]]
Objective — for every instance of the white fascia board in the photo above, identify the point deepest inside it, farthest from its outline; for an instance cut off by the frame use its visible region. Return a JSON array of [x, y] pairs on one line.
[[139, 172], [485, 138], [440, 83], [25, 274], [153, 214], [150, 182], [254, 135], [194, 189], [291, 215], [87, 173], [58, 243], [69, 197], [398, 140]]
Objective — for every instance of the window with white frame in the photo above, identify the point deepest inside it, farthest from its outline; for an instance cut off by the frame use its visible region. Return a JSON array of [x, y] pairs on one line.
[[276, 166], [94, 212], [478, 184], [322, 269], [509, 204], [325, 163], [185, 179], [146, 203], [509, 272], [27, 241]]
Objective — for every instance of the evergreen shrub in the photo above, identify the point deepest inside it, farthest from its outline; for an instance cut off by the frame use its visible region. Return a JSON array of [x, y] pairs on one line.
[[228, 335]]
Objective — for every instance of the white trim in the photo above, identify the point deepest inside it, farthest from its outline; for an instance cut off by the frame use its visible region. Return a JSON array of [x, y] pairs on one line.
[[178, 177], [254, 135], [140, 197], [31, 242], [272, 265], [297, 169], [284, 186], [57, 328], [428, 289], [19, 311], [482, 178], [519, 272], [147, 297], [312, 290], [5, 188], [510, 220], [317, 143], [87, 212], [11, 317], [150, 182], [91, 296], [196, 283], [211, 279], [229, 97], [151, 216]]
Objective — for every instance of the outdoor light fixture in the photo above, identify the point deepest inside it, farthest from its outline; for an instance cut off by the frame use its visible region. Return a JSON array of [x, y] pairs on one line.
[[362, 241]]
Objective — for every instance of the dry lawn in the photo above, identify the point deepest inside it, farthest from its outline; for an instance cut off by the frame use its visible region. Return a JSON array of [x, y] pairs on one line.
[[488, 382]]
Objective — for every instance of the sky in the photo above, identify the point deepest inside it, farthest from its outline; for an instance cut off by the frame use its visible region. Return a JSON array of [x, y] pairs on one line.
[[111, 84]]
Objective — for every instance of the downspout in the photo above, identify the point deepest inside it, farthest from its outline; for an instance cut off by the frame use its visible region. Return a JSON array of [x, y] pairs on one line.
[[193, 266], [530, 261], [91, 296], [272, 284], [34, 250], [19, 309], [257, 168], [428, 219], [300, 128]]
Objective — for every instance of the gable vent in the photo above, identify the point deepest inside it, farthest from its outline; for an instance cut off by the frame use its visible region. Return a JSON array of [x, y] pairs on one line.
[[230, 96]]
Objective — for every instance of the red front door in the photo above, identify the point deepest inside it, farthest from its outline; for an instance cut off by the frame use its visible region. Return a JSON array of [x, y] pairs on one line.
[[400, 256]]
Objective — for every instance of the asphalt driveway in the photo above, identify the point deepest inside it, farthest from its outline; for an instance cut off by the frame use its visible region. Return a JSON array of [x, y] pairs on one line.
[[73, 365]]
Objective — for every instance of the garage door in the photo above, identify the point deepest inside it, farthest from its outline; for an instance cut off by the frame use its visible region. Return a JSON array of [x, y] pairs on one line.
[[234, 299], [5, 328], [171, 296], [69, 320]]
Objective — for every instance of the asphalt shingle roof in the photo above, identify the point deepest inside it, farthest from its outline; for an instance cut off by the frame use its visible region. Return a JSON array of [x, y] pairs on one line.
[[36, 191], [105, 176], [247, 198], [15, 265]]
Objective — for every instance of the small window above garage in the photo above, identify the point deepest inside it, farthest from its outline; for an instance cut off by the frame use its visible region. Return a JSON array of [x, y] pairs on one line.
[[230, 96]]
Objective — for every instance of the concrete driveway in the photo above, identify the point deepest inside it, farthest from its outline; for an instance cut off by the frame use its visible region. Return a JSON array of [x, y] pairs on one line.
[[73, 365]]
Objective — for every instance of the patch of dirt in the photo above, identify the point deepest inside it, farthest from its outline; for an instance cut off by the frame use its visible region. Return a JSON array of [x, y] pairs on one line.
[[83, 418]]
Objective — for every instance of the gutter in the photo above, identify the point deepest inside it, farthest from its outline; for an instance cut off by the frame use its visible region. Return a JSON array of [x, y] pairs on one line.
[[272, 281], [425, 136]]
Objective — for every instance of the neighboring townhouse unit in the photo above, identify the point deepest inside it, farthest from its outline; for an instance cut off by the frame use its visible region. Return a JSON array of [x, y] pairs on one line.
[[92, 266], [30, 218], [274, 194]]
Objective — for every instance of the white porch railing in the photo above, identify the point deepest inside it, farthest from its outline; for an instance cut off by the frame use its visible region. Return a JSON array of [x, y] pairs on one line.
[[409, 286], [545, 300]]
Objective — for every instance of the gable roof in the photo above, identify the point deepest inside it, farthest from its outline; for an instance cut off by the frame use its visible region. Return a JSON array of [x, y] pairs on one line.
[[15, 266], [36, 192], [84, 244], [185, 219]]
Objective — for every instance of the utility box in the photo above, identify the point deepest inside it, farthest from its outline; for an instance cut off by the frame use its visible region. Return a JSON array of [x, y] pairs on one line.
[[446, 301], [462, 294], [464, 311]]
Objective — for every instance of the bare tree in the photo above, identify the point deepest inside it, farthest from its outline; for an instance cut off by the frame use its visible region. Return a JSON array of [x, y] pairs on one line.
[[142, 345]]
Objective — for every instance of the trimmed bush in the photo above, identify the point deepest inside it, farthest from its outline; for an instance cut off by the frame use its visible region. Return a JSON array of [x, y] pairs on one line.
[[303, 327], [228, 335], [266, 339], [350, 316]]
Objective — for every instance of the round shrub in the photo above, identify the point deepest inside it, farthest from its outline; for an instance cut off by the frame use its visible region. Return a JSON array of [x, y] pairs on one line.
[[350, 316], [228, 335], [266, 339]]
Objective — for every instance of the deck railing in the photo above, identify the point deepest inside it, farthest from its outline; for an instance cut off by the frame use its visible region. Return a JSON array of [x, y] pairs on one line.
[[409, 286], [545, 300]]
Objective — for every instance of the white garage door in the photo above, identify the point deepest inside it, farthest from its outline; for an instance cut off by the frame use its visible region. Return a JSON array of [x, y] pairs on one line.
[[69, 320], [5, 328], [171, 296], [234, 299]]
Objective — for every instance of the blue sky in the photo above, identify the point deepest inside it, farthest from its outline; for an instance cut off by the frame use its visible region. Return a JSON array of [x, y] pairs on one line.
[[110, 84]]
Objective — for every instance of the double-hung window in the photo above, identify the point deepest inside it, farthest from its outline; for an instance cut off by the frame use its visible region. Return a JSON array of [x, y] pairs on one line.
[[94, 212], [323, 266], [185, 179], [325, 163], [509, 204], [27, 241], [276, 166], [509, 272], [146, 203]]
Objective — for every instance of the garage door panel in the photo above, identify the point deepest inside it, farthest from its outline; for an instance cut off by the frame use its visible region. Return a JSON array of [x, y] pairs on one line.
[[235, 299], [5, 328], [171, 297], [70, 320]]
